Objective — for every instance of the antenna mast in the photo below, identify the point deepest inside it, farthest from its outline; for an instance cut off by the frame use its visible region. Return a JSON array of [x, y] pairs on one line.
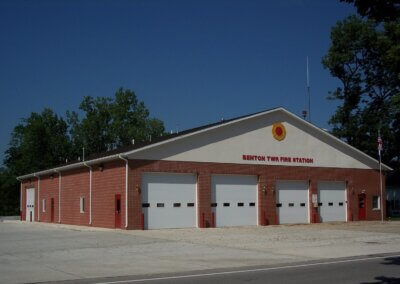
[[308, 93]]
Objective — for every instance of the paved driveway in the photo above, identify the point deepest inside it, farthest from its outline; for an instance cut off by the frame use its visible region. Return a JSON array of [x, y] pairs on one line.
[[47, 252]]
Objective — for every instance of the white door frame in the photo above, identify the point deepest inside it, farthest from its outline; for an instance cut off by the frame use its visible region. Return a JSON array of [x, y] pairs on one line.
[[30, 209]]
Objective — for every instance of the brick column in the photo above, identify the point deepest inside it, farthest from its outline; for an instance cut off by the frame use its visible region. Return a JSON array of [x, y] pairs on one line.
[[204, 200], [314, 211], [135, 200], [262, 200], [270, 202]]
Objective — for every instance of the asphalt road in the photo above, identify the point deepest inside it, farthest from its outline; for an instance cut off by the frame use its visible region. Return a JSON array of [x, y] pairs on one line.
[[367, 269]]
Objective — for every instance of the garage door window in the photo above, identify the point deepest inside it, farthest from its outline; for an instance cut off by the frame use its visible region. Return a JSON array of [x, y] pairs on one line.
[[376, 202]]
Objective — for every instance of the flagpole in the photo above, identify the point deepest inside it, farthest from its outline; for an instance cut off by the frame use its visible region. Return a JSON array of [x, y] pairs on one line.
[[380, 170], [380, 178]]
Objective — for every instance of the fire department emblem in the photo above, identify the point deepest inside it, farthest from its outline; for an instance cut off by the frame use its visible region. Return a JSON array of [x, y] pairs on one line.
[[278, 131]]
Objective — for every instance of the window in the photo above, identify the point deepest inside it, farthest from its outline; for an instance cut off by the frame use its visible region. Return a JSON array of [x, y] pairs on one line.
[[82, 204], [145, 205], [240, 204], [376, 202], [44, 205], [177, 205], [160, 204], [190, 204]]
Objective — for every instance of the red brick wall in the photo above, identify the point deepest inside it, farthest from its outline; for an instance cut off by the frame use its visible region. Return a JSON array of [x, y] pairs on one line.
[[357, 180], [105, 185], [74, 185], [49, 190], [111, 181]]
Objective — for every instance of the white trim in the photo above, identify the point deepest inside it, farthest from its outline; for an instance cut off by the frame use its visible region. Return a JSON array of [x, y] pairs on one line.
[[279, 109], [20, 198], [310, 205], [334, 138], [257, 200], [378, 203], [196, 200], [257, 115], [38, 209], [82, 204]]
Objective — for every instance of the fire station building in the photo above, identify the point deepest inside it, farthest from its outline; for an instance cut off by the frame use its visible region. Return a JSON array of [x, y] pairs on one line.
[[266, 168]]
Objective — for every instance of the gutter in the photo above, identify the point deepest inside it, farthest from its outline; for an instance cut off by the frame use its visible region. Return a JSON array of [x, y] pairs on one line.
[[59, 194], [126, 188], [38, 199], [68, 167], [90, 192]]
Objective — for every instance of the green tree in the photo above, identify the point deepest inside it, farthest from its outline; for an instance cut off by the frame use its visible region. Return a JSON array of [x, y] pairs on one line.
[[9, 194], [112, 122], [378, 10], [365, 56], [39, 142]]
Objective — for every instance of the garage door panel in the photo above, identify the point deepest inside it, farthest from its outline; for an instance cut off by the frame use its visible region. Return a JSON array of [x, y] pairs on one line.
[[292, 202], [234, 199], [332, 201], [169, 200]]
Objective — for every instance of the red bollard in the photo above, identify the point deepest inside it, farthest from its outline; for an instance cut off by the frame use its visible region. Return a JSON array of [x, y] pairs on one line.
[[212, 220], [142, 221], [203, 225]]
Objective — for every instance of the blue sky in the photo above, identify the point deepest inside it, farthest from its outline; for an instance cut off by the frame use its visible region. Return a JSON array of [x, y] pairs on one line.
[[191, 62]]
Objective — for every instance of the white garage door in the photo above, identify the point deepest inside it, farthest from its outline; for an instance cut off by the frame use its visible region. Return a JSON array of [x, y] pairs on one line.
[[234, 200], [169, 200], [292, 202], [332, 201], [30, 205]]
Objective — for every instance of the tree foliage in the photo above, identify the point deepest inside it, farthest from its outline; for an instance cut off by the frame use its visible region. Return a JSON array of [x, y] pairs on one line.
[[365, 56], [109, 123], [45, 140], [378, 10]]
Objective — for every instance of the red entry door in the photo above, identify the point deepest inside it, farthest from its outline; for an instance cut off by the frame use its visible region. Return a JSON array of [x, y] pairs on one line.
[[361, 207], [118, 211], [52, 210]]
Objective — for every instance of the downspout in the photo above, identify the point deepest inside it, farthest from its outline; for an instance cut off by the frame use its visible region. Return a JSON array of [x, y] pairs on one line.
[[38, 177], [59, 195], [90, 193], [126, 189], [20, 198]]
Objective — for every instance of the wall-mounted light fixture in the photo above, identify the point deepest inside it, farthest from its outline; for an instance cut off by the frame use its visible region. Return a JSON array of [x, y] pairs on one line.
[[138, 189], [51, 176], [101, 167], [264, 189]]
